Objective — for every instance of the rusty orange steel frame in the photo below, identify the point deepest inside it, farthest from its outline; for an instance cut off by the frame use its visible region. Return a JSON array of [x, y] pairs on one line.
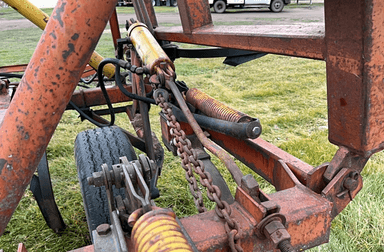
[[308, 197]]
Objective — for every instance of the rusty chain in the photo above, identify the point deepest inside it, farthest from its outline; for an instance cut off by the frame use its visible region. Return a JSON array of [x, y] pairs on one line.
[[181, 140], [189, 162]]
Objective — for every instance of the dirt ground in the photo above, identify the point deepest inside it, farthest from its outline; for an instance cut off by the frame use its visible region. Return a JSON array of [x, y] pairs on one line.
[[312, 14]]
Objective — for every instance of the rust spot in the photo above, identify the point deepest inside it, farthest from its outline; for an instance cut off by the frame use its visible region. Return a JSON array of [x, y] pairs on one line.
[[59, 10], [66, 53], [20, 128], [343, 102], [52, 34], [36, 71], [2, 164], [75, 36]]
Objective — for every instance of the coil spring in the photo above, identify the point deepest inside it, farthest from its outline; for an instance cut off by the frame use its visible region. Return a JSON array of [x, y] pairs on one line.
[[214, 108], [158, 231]]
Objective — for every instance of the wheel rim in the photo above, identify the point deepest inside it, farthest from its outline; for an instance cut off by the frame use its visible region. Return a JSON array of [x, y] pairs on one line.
[[220, 6], [277, 5]]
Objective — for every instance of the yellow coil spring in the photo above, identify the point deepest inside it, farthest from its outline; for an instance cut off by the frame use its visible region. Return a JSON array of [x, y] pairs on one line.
[[158, 231]]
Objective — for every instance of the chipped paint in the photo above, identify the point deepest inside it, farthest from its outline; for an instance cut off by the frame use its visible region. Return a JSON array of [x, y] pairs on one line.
[[39, 102]]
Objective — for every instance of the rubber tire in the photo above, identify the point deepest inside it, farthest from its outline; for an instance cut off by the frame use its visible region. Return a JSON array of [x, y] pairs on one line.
[[92, 149], [173, 3], [277, 6], [219, 6]]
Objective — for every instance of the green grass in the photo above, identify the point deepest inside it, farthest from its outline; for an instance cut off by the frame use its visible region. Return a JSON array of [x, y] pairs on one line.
[[287, 94], [305, 4], [13, 50], [11, 14]]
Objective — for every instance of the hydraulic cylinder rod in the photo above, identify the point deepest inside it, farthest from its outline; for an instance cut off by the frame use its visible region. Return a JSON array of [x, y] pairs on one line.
[[55, 68], [147, 47]]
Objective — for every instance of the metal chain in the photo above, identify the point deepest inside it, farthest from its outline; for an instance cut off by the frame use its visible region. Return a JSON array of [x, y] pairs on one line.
[[189, 161], [180, 140]]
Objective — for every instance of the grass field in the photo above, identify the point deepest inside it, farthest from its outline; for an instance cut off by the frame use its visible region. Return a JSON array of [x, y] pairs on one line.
[[11, 14], [287, 94]]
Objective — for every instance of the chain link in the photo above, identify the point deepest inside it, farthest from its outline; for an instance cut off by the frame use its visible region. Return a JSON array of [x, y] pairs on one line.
[[189, 162], [182, 143]]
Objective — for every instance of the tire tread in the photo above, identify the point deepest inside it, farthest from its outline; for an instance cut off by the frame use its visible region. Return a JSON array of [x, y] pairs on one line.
[[93, 148]]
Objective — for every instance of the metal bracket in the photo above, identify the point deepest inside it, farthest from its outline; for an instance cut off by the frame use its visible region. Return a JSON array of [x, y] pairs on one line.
[[344, 158], [342, 189], [111, 238], [234, 57]]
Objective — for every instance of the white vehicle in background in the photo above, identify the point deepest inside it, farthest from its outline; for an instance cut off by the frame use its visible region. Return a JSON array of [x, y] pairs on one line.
[[219, 6]]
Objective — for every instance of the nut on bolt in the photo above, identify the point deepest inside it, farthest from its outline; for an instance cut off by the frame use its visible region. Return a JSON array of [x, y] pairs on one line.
[[253, 129], [103, 229], [256, 131], [273, 228], [276, 232], [352, 181]]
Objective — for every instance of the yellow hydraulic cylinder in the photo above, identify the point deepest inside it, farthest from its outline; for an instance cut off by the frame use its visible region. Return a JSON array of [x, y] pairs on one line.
[[158, 230], [40, 19], [148, 48]]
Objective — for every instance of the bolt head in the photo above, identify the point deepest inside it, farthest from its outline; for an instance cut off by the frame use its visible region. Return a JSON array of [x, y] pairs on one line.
[[256, 131], [98, 179], [103, 229], [351, 184], [91, 181]]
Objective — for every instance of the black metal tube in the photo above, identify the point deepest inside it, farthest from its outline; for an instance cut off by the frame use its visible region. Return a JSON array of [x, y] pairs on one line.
[[238, 130], [208, 144]]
